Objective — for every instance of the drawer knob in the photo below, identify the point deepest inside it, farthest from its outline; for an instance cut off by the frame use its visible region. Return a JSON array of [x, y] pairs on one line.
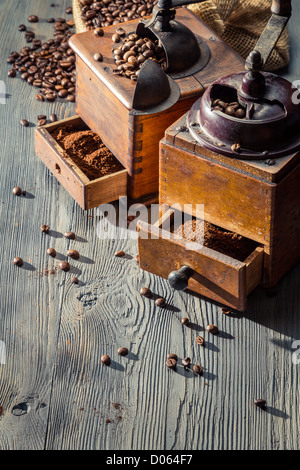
[[179, 279]]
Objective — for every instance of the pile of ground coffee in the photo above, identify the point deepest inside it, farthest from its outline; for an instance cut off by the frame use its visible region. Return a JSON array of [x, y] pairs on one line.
[[87, 151], [216, 238]]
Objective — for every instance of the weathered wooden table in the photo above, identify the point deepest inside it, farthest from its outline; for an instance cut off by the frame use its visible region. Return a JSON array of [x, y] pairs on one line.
[[54, 391]]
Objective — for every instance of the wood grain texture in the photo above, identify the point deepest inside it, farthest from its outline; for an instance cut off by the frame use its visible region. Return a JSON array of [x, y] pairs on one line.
[[55, 332]]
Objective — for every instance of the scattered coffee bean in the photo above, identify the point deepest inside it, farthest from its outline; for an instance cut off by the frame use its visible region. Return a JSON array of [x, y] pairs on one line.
[[74, 280], [160, 302], [22, 27], [45, 228], [213, 329], [24, 122], [171, 363], [105, 359], [200, 341], [198, 369], [122, 351], [53, 118], [73, 254], [98, 57], [226, 310], [260, 403], [18, 261], [51, 252], [120, 253], [172, 356], [146, 292], [17, 191], [69, 10], [39, 97], [98, 32], [33, 19], [69, 235], [42, 122], [64, 266], [185, 321], [12, 73], [186, 362]]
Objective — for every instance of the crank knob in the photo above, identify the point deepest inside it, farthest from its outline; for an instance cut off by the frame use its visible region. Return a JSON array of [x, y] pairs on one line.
[[179, 279]]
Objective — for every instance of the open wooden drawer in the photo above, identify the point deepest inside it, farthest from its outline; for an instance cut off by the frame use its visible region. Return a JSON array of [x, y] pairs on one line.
[[86, 192], [214, 275]]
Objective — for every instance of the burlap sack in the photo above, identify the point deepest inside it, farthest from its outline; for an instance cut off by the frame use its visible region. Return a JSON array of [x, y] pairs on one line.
[[238, 22]]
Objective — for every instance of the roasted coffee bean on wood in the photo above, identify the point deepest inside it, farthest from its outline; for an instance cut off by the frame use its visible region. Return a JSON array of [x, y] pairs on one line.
[[146, 292], [45, 228], [105, 359], [64, 266], [123, 351], [18, 261], [17, 191], [73, 254], [51, 252], [213, 329], [69, 235]]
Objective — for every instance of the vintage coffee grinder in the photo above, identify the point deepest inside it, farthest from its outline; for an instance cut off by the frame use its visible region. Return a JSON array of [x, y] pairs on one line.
[[245, 168], [131, 117]]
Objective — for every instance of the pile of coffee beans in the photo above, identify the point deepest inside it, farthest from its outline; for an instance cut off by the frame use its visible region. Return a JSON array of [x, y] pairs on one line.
[[231, 109], [108, 12], [49, 66], [132, 53]]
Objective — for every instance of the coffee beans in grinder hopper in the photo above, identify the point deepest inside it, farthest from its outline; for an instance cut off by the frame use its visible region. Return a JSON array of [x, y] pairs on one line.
[[130, 55], [231, 109], [107, 12]]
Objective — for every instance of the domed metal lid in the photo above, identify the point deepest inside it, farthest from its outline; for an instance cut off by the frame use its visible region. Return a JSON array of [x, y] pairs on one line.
[[154, 91], [251, 115]]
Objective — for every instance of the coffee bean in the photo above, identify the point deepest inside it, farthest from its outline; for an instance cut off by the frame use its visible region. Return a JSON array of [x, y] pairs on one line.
[[45, 228], [74, 280], [137, 259], [24, 122], [213, 329], [160, 302], [185, 321], [105, 359], [17, 191], [230, 111], [186, 362], [73, 254], [200, 341], [42, 122], [98, 57], [12, 73], [18, 261], [120, 253], [122, 351], [22, 27], [116, 37], [260, 403], [51, 252], [69, 235], [240, 113], [226, 310], [198, 369], [236, 148], [146, 292], [69, 10], [64, 266], [33, 19], [53, 118], [98, 32], [172, 356], [39, 97], [121, 31], [171, 363], [51, 20]]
